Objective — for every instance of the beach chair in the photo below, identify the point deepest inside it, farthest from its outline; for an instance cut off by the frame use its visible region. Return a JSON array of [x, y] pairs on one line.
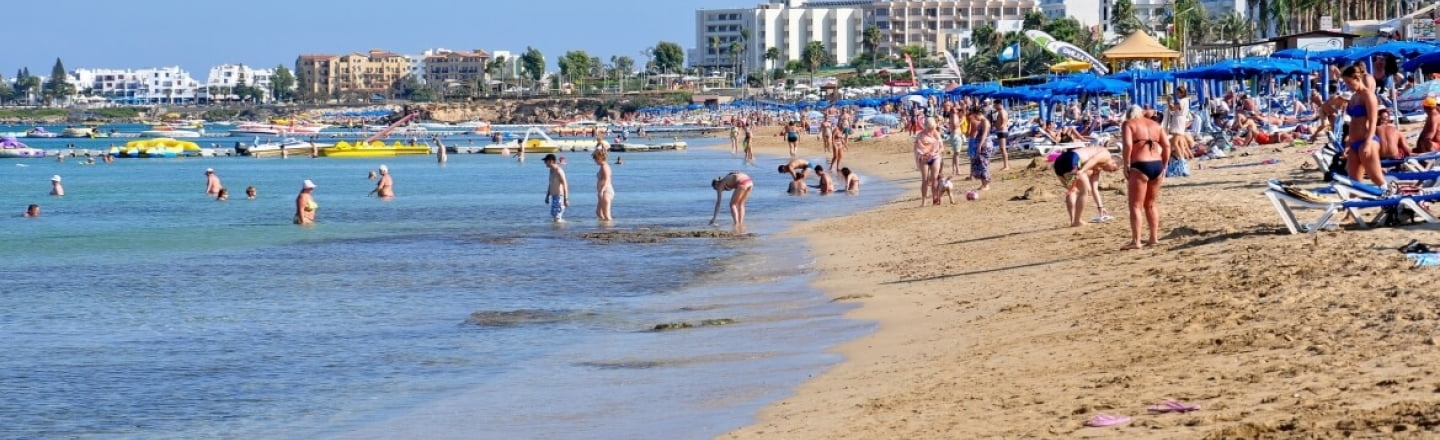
[[1286, 197], [1365, 197]]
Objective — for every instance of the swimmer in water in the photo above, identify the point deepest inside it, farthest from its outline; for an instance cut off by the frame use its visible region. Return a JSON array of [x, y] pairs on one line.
[[305, 205]]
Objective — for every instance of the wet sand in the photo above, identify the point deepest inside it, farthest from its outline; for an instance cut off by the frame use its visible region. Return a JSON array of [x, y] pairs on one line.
[[997, 321]]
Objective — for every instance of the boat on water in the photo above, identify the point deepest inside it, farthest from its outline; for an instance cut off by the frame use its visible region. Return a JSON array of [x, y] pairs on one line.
[[536, 141], [78, 132], [632, 147], [40, 132], [289, 127], [284, 147], [361, 149], [166, 131], [10, 148], [157, 147]]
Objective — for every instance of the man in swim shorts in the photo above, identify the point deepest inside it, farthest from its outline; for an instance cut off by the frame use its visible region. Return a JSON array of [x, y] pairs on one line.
[[557, 194]]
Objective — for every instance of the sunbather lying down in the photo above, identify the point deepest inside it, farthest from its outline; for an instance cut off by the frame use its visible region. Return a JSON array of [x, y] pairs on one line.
[[1251, 132]]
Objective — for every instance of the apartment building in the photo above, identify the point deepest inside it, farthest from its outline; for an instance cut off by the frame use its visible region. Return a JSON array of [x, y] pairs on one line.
[[937, 25], [226, 76], [140, 86], [789, 25], [1152, 13], [444, 67], [372, 72]]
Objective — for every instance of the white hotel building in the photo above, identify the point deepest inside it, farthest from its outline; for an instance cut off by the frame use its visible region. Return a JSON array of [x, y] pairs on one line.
[[142, 86], [785, 24], [840, 25], [226, 76]]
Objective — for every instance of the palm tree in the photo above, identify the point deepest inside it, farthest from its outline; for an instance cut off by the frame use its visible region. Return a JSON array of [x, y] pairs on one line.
[[814, 56], [735, 57], [871, 40], [772, 54]]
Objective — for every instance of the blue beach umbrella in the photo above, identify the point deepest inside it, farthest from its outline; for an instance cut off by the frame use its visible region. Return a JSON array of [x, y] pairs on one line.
[[886, 119], [1412, 100]]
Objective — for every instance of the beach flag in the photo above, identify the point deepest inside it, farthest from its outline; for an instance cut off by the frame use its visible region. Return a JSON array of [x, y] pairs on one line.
[[1011, 53]]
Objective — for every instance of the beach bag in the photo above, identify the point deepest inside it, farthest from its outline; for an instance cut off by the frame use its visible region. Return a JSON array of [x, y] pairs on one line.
[[1178, 168], [1337, 166]]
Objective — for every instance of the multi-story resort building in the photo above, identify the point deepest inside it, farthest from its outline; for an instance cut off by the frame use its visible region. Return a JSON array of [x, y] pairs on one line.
[[785, 24], [839, 24], [937, 25], [162, 85], [224, 78], [446, 68], [331, 75]]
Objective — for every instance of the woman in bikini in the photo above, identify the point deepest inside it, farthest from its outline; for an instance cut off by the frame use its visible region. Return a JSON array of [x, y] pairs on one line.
[[1146, 153], [305, 205], [1362, 146], [792, 138], [1079, 172], [852, 181], [741, 183], [927, 157], [604, 191]]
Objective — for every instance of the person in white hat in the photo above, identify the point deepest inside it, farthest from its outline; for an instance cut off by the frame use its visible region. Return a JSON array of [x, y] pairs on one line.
[[212, 182], [305, 205], [385, 188], [55, 188]]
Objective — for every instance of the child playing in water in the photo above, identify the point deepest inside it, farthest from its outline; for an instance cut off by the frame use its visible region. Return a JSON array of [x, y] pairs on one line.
[[852, 181]]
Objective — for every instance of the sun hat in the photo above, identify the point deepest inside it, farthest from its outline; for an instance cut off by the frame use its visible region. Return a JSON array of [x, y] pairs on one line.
[[308, 184], [56, 178], [384, 168], [209, 170]]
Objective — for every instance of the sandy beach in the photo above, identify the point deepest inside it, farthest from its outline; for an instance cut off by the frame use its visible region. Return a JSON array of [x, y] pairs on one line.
[[998, 321]]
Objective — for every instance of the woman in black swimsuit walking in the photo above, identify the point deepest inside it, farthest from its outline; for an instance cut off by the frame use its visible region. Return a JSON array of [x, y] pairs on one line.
[[1147, 153]]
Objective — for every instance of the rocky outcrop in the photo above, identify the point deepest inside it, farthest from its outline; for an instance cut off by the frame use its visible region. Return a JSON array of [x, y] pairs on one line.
[[518, 111]]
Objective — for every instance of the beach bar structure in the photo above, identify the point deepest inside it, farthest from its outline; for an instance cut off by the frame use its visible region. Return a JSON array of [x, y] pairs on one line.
[[1139, 46]]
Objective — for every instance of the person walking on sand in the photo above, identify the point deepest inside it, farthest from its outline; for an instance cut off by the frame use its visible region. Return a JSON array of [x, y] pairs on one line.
[[735, 138], [56, 189], [927, 157], [792, 138], [955, 122], [742, 185], [1079, 172], [212, 182], [1146, 152], [749, 152], [604, 190], [1002, 133], [385, 187], [1362, 145], [980, 143], [305, 205], [557, 193]]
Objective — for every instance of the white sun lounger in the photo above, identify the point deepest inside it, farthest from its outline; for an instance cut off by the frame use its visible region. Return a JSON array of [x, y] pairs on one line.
[[1284, 203]]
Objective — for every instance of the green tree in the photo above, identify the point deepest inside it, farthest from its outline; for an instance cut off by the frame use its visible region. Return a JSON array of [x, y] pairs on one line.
[[532, 62], [282, 83], [1122, 17], [575, 65], [793, 66], [1035, 20], [6, 92], [623, 64], [669, 57], [59, 88], [815, 57], [870, 39]]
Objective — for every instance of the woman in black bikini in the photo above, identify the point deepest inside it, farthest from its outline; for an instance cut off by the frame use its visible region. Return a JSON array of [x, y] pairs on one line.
[[1147, 153], [1362, 146]]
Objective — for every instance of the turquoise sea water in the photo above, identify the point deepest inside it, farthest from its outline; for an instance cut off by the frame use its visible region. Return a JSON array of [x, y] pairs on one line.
[[138, 307]]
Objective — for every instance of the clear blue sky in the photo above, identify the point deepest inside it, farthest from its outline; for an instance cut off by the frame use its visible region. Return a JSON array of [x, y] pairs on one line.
[[197, 34]]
